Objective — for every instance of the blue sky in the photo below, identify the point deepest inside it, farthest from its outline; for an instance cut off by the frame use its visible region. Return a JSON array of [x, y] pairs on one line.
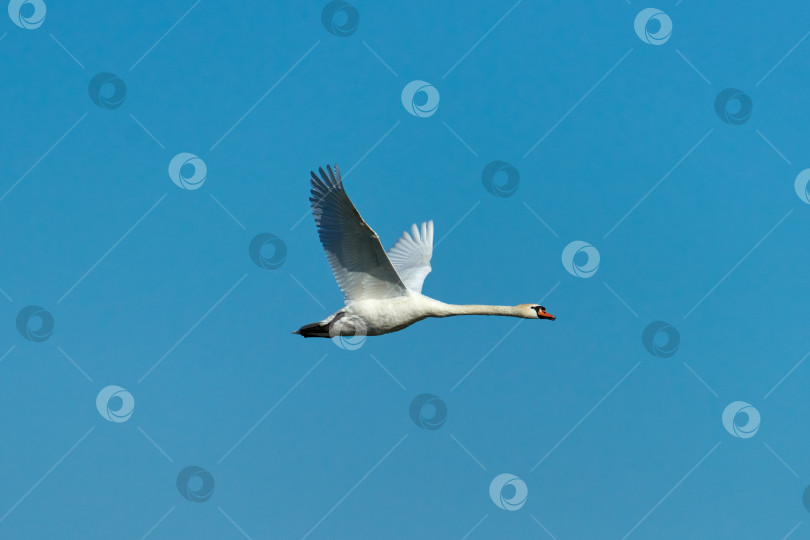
[[616, 143]]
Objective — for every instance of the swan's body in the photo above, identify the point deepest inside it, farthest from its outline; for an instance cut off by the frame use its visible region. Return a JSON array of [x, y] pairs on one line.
[[383, 291]]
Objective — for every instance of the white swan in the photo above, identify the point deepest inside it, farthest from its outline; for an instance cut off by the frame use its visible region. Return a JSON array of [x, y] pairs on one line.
[[383, 291]]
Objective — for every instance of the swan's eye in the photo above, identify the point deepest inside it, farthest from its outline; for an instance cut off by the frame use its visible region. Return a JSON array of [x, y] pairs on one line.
[[541, 307]]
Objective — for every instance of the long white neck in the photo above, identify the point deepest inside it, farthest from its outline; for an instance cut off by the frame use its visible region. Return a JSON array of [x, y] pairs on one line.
[[450, 310]]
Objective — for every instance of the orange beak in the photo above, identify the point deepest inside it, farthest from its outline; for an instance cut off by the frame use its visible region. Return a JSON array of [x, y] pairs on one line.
[[545, 315]]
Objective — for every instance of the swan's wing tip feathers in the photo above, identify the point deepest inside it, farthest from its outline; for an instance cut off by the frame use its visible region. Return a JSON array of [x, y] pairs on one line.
[[329, 178], [423, 232], [322, 185]]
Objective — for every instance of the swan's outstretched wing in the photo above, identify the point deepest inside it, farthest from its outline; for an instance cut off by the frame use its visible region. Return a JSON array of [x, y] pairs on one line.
[[357, 258], [411, 255]]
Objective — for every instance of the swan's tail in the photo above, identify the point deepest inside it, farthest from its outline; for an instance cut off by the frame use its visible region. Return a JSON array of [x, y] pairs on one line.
[[318, 329]]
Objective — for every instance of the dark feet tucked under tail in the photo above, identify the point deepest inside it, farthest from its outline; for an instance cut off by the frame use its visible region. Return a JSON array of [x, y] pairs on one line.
[[314, 330], [320, 329]]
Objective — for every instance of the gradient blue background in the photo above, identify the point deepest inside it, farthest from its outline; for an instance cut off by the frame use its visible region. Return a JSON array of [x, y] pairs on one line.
[[334, 427]]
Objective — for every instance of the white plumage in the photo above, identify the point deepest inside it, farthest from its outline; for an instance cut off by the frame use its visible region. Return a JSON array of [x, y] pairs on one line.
[[382, 291], [411, 255]]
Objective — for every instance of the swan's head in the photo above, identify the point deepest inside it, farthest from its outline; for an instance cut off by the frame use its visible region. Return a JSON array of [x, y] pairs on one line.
[[535, 311]]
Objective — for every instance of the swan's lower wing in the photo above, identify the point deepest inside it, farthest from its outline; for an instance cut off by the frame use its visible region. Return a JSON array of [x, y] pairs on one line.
[[357, 258], [411, 255]]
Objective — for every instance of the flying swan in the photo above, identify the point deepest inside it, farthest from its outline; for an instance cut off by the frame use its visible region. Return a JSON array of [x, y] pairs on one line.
[[382, 291]]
